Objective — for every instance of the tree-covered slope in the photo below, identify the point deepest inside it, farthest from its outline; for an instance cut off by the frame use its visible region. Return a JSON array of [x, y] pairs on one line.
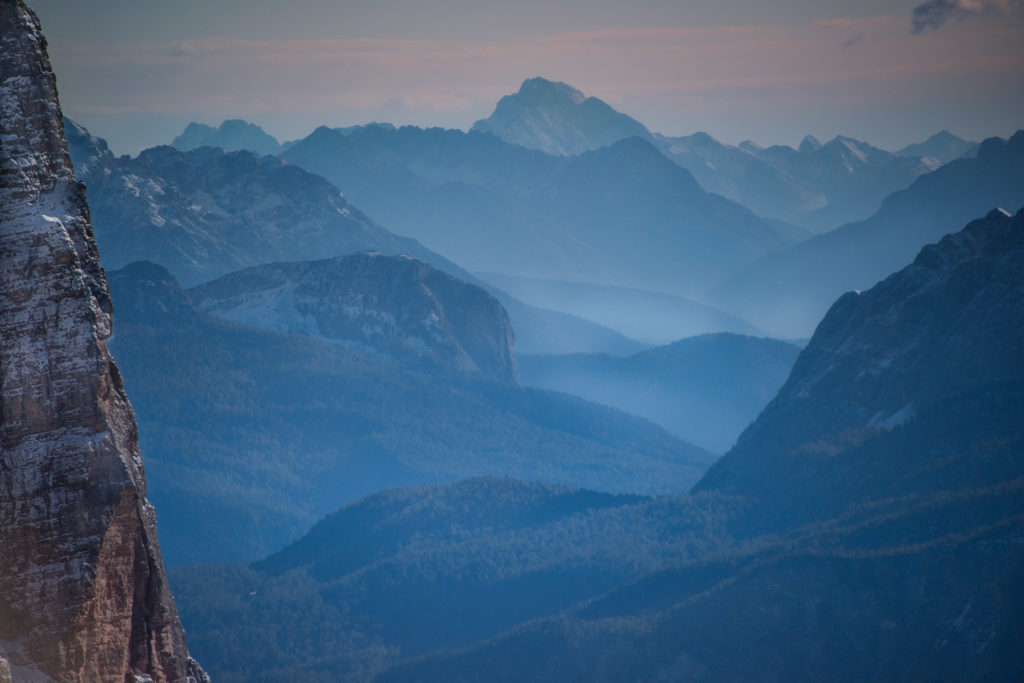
[[252, 435]]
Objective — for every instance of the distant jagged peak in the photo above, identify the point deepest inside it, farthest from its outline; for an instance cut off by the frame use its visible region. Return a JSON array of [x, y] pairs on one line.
[[542, 91], [702, 139], [751, 146], [231, 135], [845, 142], [79, 134], [372, 125], [809, 144], [943, 146], [556, 118], [944, 136]]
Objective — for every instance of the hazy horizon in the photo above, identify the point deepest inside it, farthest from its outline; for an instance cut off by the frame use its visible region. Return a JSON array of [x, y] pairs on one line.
[[772, 73]]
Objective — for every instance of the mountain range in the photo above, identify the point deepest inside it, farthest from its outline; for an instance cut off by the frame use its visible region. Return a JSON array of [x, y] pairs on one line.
[[787, 293], [189, 210], [621, 215], [194, 213], [232, 135], [817, 186], [703, 389], [253, 434], [651, 317], [596, 217], [905, 526], [866, 526], [355, 479], [943, 146]]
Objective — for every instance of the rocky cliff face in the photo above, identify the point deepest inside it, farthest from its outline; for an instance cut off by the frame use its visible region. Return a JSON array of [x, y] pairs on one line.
[[399, 306], [83, 596]]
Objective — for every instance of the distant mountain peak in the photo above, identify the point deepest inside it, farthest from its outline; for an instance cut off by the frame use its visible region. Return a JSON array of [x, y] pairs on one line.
[[232, 135], [943, 146], [539, 88], [556, 118], [751, 146], [809, 144]]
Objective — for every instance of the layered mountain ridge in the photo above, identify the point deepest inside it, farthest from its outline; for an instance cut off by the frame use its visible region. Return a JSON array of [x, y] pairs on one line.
[[253, 434], [622, 215], [190, 210], [882, 356], [83, 595], [817, 186], [205, 213], [704, 389], [943, 146], [652, 317], [845, 537], [881, 494], [788, 293], [232, 135]]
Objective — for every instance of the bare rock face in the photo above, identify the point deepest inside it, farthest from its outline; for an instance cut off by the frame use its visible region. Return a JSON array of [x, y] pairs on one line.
[[83, 596]]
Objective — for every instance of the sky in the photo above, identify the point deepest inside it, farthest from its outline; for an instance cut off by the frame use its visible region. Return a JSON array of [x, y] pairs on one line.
[[887, 71]]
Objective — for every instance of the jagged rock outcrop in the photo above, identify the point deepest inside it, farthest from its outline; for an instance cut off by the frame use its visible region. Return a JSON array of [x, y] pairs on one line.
[[83, 596], [397, 305]]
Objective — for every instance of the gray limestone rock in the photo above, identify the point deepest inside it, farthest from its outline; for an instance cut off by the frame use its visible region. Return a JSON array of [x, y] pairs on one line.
[[83, 596]]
